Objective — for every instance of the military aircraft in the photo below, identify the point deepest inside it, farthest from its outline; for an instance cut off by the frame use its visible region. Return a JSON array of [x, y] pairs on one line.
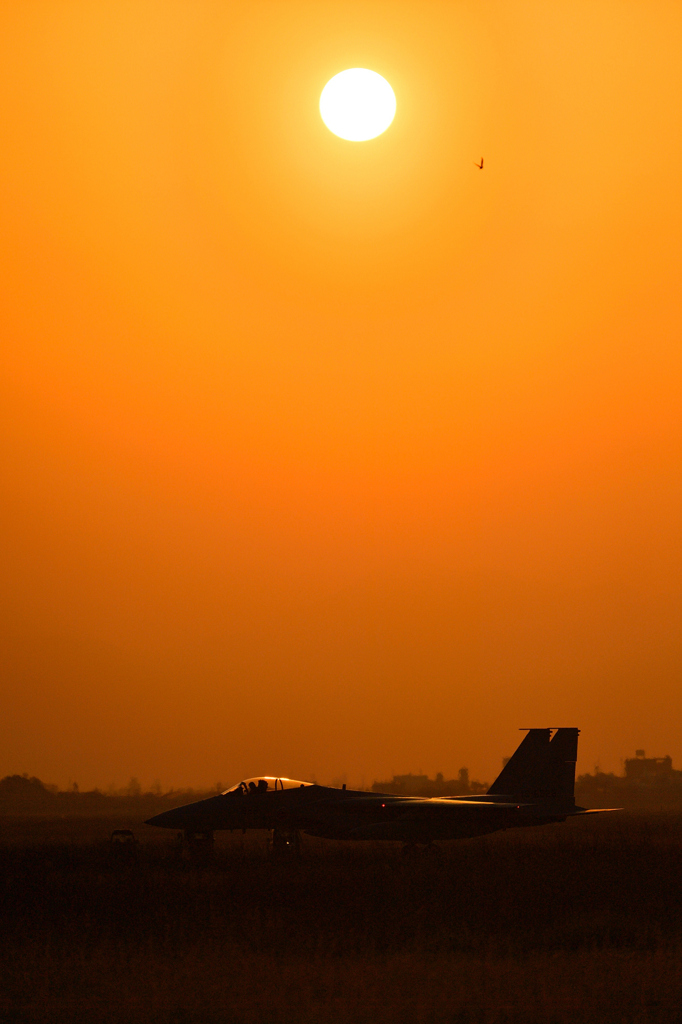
[[535, 787]]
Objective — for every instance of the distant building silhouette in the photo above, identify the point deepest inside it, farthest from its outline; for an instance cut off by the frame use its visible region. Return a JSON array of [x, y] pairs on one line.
[[422, 785], [649, 783], [641, 768], [409, 784]]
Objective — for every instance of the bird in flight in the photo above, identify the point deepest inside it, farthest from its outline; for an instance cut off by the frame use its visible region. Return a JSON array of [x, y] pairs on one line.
[[480, 166]]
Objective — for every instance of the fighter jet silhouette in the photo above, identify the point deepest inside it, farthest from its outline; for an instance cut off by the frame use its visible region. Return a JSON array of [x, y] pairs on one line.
[[480, 166], [534, 788]]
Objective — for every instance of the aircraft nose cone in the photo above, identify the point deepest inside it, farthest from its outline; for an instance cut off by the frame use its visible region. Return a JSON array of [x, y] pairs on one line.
[[164, 820], [168, 819], [201, 816]]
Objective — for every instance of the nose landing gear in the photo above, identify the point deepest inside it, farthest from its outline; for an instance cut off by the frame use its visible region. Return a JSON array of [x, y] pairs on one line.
[[197, 846]]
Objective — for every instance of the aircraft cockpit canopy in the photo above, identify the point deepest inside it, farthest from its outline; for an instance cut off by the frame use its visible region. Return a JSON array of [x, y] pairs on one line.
[[265, 784]]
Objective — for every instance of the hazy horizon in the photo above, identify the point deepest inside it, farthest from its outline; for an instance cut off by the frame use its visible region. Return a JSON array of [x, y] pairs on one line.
[[361, 781]]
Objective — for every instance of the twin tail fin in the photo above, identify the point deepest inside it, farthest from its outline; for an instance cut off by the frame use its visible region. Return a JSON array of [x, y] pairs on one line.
[[541, 769]]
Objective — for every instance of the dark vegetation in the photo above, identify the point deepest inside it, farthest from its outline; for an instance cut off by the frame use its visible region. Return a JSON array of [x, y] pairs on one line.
[[20, 794], [573, 922]]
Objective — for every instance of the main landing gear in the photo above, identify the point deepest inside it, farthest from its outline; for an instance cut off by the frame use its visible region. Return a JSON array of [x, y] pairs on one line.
[[411, 850], [285, 842]]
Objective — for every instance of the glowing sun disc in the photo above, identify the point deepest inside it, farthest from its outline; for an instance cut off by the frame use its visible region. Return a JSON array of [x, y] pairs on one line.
[[357, 104]]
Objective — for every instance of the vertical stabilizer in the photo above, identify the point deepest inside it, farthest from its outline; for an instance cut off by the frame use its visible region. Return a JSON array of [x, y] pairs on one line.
[[541, 768], [526, 770], [563, 756]]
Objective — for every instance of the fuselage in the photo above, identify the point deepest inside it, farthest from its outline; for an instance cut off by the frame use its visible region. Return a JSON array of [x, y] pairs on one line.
[[535, 787], [348, 814]]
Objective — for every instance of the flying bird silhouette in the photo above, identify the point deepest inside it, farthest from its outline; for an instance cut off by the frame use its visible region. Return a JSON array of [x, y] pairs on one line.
[[480, 166]]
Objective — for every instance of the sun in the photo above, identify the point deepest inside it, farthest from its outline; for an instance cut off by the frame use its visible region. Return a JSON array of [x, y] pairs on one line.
[[357, 104]]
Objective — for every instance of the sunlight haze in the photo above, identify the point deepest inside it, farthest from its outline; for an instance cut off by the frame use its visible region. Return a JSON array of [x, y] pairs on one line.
[[331, 460]]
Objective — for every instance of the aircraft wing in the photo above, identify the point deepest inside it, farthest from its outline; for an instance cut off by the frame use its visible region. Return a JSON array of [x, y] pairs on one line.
[[390, 806], [439, 804], [409, 818], [591, 810]]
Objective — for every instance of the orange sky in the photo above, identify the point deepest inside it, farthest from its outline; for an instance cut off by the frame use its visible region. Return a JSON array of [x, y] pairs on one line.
[[323, 457]]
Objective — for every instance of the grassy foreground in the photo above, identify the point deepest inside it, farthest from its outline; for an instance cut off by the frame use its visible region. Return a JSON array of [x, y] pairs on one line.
[[580, 922]]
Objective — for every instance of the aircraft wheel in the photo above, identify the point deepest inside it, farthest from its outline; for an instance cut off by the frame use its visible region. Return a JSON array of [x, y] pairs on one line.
[[285, 843]]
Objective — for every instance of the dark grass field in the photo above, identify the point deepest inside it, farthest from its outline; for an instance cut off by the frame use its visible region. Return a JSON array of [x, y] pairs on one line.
[[579, 922]]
